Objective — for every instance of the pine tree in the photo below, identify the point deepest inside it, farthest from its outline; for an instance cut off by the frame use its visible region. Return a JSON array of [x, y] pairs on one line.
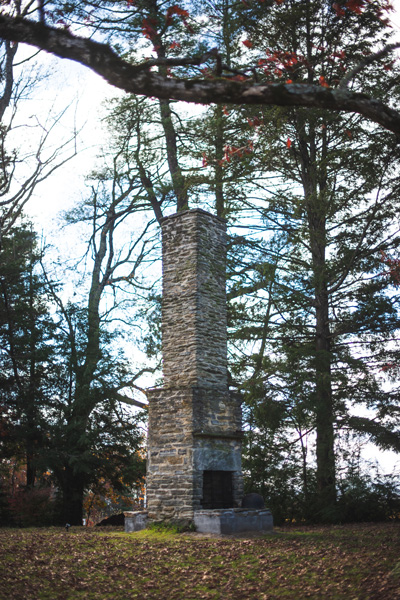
[[25, 330], [331, 321]]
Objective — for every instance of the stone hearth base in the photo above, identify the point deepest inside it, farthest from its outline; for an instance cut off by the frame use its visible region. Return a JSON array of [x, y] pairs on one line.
[[227, 521], [233, 520], [135, 521]]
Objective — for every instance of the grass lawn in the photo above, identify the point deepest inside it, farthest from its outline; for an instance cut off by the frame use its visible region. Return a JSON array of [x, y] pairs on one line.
[[351, 561]]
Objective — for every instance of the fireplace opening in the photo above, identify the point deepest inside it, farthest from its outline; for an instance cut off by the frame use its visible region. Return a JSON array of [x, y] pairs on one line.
[[217, 489]]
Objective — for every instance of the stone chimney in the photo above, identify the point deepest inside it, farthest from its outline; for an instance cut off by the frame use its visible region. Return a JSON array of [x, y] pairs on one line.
[[194, 440], [194, 300]]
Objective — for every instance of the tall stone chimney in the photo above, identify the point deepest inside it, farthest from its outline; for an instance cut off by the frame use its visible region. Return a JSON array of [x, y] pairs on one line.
[[194, 440]]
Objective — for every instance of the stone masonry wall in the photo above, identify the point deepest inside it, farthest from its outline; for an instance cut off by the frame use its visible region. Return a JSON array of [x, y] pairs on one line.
[[194, 303], [169, 482], [194, 423]]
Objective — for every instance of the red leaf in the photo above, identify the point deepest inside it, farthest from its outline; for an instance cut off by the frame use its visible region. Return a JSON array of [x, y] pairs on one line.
[[388, 366], [147, 28], [338, 9], [254, 122], [176, 10], [322, 81], [355, 6], [394, 268]]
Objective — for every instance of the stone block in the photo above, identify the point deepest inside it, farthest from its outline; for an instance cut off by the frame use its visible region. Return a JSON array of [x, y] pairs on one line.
[[233, 521], [135, 521]]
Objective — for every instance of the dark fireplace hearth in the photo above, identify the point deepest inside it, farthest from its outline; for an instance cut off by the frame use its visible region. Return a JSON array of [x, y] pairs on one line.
[[217, 489]]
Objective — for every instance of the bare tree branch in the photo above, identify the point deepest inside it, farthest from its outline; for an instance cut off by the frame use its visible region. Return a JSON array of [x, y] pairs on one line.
[[127, 400], [368, 60]]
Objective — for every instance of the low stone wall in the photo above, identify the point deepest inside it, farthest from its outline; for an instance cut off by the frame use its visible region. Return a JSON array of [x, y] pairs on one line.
[[233, 521], [223, 521]]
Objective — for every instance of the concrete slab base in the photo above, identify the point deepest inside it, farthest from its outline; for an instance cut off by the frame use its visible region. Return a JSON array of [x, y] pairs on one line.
[[233, 520], [135, 521]]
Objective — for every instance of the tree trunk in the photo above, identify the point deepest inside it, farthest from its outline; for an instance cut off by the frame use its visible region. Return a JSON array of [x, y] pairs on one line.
[[171, 144], [314, 185], [324, 407], [72, 491], [31, 392], [178, 180]]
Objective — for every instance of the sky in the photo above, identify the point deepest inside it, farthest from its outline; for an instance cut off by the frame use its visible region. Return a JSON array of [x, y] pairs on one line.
[[74, 86]]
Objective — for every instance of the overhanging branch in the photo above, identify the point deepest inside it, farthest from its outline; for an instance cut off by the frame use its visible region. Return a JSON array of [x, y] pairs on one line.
[[138, 79]]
